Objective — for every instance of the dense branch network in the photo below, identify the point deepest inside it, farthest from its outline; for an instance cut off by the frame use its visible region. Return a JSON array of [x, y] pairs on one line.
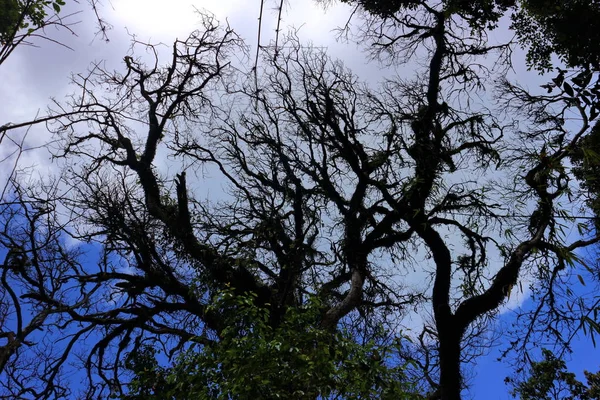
[[334, 190]]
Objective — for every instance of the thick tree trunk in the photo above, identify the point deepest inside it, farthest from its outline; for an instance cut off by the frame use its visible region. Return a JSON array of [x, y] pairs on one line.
[[450, 377]]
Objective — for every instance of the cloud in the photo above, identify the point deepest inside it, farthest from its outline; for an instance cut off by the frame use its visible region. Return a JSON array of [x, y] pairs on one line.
[[32, 76]]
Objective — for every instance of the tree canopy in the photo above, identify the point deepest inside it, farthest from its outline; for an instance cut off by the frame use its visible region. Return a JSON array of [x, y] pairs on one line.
[[549, 379], [25, 22], [343, 208]]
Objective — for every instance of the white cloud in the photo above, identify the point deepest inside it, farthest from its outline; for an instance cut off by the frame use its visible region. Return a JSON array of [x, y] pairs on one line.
[[161, 19], [32, 76]]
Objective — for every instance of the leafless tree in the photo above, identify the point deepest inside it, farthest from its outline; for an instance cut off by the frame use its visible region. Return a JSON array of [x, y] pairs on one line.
[[36, 265], [334, 189]]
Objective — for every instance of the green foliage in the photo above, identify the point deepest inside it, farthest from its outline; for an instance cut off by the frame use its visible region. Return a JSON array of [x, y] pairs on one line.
[[29, 15], [550, 379], [9, 18], [568, 29], [296, 360], [478, 13], [586, 160], [383, 7]]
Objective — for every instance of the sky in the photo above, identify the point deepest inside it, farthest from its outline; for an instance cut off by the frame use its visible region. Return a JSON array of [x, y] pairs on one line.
[[34, 75]]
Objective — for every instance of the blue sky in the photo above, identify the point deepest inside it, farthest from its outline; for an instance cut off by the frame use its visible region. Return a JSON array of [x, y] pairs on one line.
[[489, 382]]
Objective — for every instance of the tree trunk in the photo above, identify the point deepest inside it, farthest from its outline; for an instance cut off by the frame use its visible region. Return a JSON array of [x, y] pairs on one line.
[[450, 377]]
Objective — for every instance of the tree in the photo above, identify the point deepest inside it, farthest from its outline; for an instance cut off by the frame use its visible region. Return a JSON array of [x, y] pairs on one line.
[[21, 21], [34, 260], [34, 276], [587, 164], [565, 29], [545, 27], [336, 192], [293, 360], [549, 379], [36, 265], [476, 13]]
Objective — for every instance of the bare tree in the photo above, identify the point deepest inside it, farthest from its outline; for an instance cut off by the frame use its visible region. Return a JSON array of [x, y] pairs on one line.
[[36, 264], [334, 189], [34, 277]]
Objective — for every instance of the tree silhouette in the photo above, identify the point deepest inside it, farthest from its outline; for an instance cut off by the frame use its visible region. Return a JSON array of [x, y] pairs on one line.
[[331, 192]]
